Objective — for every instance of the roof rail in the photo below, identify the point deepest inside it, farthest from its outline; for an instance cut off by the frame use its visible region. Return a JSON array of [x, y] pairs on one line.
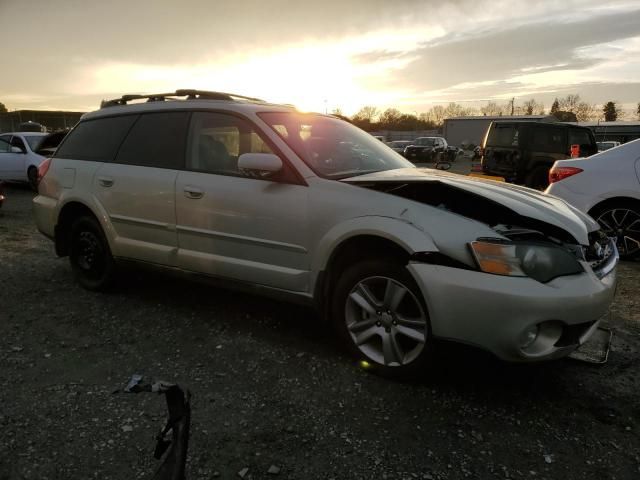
[[191, 94]]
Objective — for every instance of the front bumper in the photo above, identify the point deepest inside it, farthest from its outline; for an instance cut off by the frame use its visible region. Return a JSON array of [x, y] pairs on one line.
[[493, 311]]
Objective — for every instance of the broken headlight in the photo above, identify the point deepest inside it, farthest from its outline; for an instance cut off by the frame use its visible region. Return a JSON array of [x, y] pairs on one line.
[[540, 262]]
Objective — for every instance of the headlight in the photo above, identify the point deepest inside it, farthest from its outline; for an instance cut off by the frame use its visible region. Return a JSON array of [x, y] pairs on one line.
[[540, 262]]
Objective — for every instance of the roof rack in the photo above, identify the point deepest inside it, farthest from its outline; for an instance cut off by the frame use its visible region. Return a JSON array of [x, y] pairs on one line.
[[189, 93]]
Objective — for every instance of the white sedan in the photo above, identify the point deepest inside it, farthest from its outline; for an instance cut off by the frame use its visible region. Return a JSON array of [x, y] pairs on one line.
[[607, 187], [19, 160]]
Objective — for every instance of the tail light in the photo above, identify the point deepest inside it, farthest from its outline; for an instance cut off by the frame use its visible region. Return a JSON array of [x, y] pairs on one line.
[[560, 173], [43, 169]]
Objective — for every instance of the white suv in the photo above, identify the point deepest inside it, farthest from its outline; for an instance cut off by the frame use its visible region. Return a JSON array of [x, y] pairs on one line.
[[310, 208]]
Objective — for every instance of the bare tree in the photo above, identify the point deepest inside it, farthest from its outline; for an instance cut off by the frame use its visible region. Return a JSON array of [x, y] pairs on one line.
[[390, 118], [367, 114], [570, 103], [531, 107], [586, 111], [435, 115]]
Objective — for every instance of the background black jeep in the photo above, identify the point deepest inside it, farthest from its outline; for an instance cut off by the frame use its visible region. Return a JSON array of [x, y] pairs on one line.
[[523, 152]]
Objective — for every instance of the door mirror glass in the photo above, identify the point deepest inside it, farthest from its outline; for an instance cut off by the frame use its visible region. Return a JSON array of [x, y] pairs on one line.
[[260, 162], [16, 150]]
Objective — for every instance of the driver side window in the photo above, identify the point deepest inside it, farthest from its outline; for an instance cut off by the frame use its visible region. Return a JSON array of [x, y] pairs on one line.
[[217, 140], [17, 142]]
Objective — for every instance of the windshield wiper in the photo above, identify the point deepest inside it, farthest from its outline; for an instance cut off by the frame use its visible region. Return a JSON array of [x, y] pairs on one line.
[[354, 173]]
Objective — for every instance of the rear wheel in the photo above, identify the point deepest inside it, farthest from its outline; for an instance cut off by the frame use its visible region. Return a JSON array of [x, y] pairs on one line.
[[380, 316], [538, 178], [90, 256], [622, 221], [32, 176]]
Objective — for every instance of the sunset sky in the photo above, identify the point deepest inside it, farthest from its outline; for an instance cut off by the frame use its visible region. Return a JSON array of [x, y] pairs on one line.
[[63, 54]]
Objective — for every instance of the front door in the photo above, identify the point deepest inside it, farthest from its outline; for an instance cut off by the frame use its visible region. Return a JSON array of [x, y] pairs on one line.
[[235, 225]]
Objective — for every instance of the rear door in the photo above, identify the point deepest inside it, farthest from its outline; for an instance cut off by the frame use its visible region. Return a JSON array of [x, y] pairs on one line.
[[137, 188], [233, 224]]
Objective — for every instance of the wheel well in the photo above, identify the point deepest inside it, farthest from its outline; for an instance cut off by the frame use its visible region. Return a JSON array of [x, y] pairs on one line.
[[614, 201], [351, 251], [69, 213]]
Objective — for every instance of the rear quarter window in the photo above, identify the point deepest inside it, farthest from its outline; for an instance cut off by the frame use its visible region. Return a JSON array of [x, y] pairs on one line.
[[96, 140], [548, 139], [503, 136]]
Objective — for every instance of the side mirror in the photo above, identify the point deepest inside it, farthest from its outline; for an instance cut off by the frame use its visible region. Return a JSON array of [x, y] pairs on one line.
[[260, 162], [16, 150]]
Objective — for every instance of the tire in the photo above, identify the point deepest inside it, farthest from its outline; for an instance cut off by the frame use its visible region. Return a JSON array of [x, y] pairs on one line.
[[621, 219], [32, 176], [538, 178], [392, 335], [89, 255]]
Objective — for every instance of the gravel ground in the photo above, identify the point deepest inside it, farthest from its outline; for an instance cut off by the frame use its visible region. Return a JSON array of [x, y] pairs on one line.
[[271, 388]]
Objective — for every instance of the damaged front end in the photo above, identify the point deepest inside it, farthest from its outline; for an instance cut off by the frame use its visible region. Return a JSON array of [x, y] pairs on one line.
[[536, 237]]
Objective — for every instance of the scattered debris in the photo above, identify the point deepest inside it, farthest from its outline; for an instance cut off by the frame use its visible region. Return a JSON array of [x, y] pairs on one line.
[[273, 470], [243, 472]]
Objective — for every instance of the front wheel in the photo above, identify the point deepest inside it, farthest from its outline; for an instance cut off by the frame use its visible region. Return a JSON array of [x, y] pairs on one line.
[[380, 316], [90, 256]]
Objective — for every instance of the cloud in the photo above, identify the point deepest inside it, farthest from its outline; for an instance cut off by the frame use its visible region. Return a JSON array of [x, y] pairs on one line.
[[500, 54]]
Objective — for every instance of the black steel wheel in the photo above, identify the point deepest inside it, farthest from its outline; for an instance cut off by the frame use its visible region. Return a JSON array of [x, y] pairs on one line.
[[90, 256]]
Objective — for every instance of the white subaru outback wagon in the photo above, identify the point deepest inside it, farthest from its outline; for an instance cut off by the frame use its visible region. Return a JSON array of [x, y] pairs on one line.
[[310, 208]]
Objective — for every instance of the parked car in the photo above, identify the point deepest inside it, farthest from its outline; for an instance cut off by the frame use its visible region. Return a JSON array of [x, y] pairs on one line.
[[602, 146], [398, 146], [523, 152], [425, 149], [310, 208], [21, 154], [607, 187]]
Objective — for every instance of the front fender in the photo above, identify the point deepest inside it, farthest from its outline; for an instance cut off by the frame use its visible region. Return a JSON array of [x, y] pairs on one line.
[[402, 232]]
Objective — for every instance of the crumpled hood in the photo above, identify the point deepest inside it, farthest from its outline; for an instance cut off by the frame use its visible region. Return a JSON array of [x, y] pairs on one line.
[[524, 201]]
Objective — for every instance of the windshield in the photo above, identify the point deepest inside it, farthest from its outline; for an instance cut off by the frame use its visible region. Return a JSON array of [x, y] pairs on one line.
[[333, 148], [428, 142], [34, 141]]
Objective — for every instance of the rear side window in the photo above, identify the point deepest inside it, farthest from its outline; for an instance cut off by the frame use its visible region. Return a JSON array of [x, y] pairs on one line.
[[97, 140], [503, 136], [549, 139], [156, 140]]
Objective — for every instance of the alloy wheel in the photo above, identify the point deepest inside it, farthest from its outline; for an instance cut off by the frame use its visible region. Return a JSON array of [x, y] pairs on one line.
[[386, 321], [624, 225]]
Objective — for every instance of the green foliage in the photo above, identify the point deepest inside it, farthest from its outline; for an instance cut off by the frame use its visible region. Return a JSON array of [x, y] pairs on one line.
[[3, 109], [555, 107], [610, 112]]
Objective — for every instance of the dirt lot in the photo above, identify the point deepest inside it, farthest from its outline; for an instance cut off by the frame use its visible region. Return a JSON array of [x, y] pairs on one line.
[[271, 388]]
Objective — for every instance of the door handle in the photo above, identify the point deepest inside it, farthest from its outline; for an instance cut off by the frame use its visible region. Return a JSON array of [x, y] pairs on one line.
[[193, 192], [105, 181]]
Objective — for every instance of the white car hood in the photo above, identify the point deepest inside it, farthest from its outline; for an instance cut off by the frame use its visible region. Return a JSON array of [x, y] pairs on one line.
[[524, 201]]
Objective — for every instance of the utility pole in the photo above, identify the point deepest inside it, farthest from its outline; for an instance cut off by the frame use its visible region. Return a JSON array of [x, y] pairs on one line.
[[513, 100]]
